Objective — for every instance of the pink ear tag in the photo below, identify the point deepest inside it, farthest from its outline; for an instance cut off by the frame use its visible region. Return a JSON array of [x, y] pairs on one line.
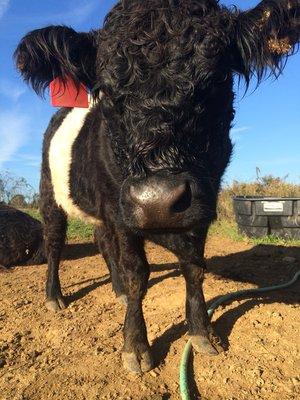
[[66, 94]]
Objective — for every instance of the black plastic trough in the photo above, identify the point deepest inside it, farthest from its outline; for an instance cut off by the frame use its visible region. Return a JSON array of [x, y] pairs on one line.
[[261, 216]]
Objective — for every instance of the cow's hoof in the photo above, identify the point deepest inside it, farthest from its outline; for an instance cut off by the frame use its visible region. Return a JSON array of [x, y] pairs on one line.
[[202, 345], [123, 299], [55, 304], [136, 363]]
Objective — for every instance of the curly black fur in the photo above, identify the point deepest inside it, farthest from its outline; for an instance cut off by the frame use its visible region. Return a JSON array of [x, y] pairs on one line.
[[163, 68], [21, 238], [166, 69]]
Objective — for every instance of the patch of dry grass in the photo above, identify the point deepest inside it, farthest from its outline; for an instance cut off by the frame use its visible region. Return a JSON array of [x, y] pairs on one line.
[[266, 186]]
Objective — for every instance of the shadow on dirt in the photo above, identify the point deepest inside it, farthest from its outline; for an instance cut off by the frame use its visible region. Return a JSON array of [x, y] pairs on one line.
[[172, 267], [75, 251], [82, 292], [99, 281], [263, 265]]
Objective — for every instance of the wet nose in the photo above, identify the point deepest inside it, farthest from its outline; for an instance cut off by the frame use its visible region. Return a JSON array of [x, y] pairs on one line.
[[159, 203]]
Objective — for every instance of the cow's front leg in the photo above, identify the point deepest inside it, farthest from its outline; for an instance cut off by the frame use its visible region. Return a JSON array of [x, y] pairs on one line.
[[135, 274], [200, 330], [55, 226], [189, 249]]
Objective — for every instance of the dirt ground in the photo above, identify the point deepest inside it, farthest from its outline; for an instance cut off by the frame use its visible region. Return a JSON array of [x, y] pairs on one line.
[[75, 354]]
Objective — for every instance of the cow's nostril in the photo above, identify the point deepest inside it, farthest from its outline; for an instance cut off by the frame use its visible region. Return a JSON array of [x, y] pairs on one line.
[[184, 199]]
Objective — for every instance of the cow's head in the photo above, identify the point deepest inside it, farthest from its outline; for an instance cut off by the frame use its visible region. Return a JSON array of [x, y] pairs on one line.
[[166, 69]]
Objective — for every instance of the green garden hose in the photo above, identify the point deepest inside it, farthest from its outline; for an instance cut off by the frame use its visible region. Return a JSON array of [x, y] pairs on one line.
[[183, 373]]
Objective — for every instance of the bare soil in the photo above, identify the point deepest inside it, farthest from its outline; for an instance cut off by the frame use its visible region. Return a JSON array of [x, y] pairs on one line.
[[76, 354]]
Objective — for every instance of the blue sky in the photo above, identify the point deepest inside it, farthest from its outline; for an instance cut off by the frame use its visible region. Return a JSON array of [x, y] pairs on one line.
[[267, 123]]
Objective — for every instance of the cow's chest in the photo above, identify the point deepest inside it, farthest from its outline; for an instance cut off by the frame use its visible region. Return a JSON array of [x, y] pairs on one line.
[[63, 158]]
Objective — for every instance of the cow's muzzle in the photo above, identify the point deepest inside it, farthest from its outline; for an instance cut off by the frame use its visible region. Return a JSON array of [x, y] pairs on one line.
[[163, 202]]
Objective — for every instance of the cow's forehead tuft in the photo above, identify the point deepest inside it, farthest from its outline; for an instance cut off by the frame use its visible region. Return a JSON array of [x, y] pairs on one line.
[[147, 46]]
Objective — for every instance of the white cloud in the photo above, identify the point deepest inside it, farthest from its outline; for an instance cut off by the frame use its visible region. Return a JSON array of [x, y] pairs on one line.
[[3, 7], [237, 134], [242, 129], [14, 130], [11, 90]]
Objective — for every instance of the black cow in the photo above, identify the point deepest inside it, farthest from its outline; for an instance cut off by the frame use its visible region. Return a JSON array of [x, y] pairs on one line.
[[21, 238], [146, 159]]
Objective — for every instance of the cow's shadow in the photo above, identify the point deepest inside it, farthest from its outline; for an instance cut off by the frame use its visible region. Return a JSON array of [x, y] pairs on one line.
[[263, 265], [94, 283], [75, 251]]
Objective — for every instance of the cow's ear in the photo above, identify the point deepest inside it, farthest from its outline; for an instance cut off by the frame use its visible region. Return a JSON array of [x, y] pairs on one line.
[[56, 51], [264, 37]]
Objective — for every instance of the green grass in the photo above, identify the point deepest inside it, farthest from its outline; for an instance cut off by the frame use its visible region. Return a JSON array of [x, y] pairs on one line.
[[77, 230], [226, 228], [271, 239], [33, 213]]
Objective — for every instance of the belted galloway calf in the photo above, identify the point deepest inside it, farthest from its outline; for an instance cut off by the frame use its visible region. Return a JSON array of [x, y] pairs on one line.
[[21, 238], [145, 160]]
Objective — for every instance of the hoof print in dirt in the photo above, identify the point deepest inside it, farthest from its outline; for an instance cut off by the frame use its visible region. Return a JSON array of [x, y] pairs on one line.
[[137, 364], [217, 343]]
